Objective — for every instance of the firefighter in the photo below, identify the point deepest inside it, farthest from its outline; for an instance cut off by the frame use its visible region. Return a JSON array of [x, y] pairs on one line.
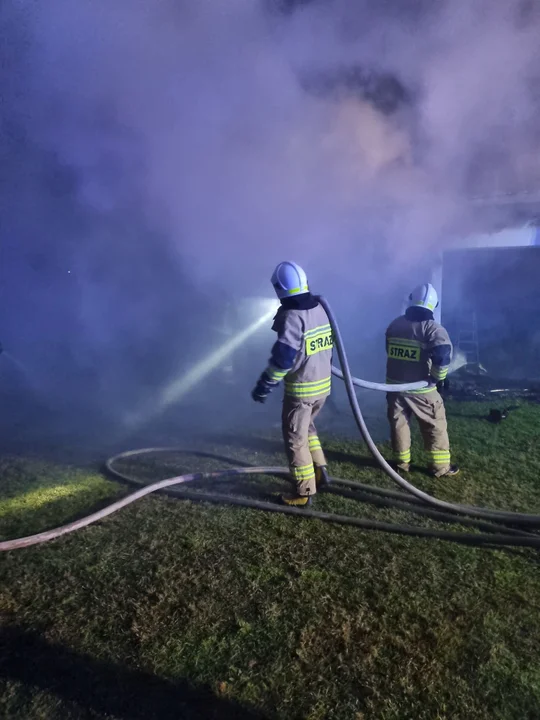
[[302, 357], [418, 348]]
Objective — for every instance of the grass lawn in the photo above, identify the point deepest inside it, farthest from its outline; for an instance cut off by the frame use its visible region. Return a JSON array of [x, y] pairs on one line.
[[174, 609]]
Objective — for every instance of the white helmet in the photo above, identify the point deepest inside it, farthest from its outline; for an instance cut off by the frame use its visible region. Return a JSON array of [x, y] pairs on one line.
[[289, 279], [424, 296]]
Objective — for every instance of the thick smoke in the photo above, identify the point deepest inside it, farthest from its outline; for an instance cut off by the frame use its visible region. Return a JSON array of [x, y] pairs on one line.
[[169, 154]]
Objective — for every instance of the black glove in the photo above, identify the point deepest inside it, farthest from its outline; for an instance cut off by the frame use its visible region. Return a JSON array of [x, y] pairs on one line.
[[443, 385], [263, 388]]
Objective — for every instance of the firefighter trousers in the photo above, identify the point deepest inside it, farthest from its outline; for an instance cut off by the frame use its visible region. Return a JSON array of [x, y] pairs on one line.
[[428, 408], [302, 444]]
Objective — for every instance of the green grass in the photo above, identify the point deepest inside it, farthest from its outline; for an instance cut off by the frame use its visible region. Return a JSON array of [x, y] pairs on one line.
[[173, 609]]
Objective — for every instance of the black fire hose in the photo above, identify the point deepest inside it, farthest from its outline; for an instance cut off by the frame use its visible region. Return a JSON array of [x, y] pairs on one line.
[[489, 520]]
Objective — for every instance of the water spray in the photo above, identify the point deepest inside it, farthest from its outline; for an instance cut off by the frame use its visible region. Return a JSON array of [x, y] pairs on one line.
[[182, 385]]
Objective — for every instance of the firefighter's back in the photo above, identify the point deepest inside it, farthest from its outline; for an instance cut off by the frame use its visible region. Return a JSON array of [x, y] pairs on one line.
[[407, 347], [311, 374]]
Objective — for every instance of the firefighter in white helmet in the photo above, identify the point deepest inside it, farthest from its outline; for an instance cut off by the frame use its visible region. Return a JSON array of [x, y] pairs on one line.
[[418, 348], [302, 357]]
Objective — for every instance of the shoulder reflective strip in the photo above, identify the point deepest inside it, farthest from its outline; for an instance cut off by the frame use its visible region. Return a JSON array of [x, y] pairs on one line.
[[317, 330], [405, 341]]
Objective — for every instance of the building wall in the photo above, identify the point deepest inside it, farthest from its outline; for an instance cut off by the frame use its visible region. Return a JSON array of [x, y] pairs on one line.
[[510, 237]]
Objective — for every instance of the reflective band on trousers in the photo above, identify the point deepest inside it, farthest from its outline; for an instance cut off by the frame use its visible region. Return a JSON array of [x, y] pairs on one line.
[[304, 472], [308, 389], [439, 457], [314, 443], [404, 456]]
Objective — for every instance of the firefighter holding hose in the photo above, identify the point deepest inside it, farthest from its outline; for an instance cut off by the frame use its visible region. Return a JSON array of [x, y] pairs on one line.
[[302, 357], [418, 348]]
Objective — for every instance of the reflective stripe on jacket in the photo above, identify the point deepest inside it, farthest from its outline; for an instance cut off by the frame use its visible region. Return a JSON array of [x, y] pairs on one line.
[[309, 334]]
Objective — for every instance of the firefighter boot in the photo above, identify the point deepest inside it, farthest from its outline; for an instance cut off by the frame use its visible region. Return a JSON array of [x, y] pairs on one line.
[[322, 478], [299, 501], [452, 470]]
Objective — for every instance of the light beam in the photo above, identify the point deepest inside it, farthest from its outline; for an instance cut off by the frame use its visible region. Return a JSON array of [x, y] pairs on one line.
[[182, 385]]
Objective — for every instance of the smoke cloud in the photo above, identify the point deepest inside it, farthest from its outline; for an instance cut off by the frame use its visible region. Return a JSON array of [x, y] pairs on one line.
[[158, 157]]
